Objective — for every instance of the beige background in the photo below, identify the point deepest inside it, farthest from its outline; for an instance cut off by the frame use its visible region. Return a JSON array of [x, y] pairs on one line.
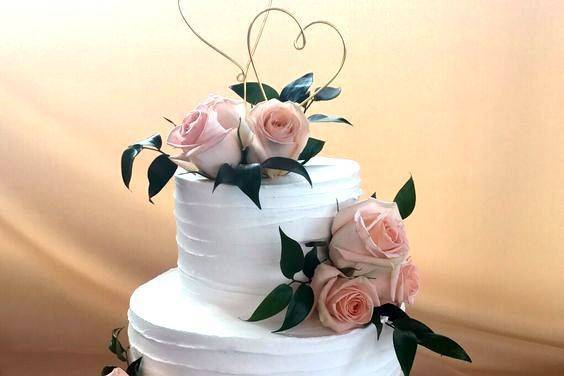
[[466, 95]]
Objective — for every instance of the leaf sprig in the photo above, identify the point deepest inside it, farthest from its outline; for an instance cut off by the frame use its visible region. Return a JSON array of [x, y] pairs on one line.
[[299, 303], [160, 170], [248, 177], [408, 333], [120, 352], [296, 91]]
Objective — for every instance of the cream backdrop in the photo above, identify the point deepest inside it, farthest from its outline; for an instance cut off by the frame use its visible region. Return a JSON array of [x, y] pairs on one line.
[[465, 95]]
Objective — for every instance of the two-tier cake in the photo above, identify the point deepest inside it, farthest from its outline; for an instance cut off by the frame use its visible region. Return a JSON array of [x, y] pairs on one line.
[[191, 320], [283, 270]]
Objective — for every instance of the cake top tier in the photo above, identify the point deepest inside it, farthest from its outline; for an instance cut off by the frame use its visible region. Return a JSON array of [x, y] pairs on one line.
[[228, 245]]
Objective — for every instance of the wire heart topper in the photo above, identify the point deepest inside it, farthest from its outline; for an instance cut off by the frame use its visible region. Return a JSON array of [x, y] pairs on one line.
[[243, 71], [299, 44]]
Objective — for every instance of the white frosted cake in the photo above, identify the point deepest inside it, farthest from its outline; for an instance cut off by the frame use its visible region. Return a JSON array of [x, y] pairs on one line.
[[282, 269], [190, 321]]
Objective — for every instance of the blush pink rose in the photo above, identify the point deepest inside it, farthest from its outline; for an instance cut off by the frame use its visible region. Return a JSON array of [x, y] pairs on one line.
[[408, 283], [343, 303], [280, 129], [397, 287], [117, 372], [208, 135], [368, 236]]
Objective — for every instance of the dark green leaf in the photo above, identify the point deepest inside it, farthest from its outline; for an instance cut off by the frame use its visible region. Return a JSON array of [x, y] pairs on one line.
[[377, 321], [254, 94], [170, 121], [392, 311], [225, 175], [274, 303], [327, 93], [299, 307], [155, 141], [107, 370], [133, 369], [159, 173], [405, 199], [320, 118], [443, 345], [115, 345], [245, 176], [312, 148], [311, 261], [405, 344], [287, 164], [297, 90], [129, 154], [316, 243], [412, 325], [127, 158], [349, 272], [292, 256]]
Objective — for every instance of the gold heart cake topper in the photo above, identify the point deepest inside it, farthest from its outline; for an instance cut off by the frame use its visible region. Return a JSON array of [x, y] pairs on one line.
[[243, 71], [242, 76]]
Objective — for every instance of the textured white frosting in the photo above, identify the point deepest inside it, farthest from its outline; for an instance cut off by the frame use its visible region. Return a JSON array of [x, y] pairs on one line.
[[188, 321], [180, 335], [227, 243]]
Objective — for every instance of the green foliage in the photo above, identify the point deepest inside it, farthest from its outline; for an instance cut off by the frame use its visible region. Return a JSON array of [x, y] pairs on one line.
[[405, 345], [311, 261], [287, 164], [408, 333], [312, 148], [245, 176], [405, 198], [132, 151], [274, 303], [160, 171], [327, 93], [254, 94], [392, 311], [320, 118], [133, 369], [443, 345], [107, 370], [299, 308], [297, 90], [116, 347], [292, 256], [377, 321]]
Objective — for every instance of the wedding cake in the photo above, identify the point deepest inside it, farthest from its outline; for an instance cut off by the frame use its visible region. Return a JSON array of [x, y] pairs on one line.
[[283, 268], [191, 320]]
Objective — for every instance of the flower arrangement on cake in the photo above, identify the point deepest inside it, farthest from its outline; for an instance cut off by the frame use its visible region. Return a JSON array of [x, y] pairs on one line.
[[349, 271]]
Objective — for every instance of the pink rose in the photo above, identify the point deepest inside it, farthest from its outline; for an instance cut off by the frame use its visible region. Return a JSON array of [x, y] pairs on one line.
[[208, 135], [369, 237], [342, 303], [398, 286], [281, 130], [408, 283], [117, 372]]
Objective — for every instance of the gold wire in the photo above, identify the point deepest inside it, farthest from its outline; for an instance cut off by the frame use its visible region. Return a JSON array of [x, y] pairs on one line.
[[242, 75], [343, 59], [296, 45]]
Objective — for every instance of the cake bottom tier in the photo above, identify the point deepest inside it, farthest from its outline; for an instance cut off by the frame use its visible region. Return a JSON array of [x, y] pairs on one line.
[[178, 334]]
